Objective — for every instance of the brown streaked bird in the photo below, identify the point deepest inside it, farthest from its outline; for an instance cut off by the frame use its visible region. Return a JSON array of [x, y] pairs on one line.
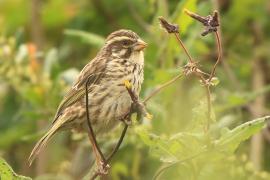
[[120, 59]]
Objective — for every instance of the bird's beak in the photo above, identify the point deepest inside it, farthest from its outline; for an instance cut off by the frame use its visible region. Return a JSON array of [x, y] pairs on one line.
[[140, 45]]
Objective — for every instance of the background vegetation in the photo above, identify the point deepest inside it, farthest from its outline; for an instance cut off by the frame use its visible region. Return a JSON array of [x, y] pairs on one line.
[[44, 44]]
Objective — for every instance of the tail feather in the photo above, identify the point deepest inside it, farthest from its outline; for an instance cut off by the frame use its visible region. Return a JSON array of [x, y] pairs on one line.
[[43, 142]]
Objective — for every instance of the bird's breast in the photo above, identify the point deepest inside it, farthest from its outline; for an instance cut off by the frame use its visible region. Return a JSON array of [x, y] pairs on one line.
[[110, 100]]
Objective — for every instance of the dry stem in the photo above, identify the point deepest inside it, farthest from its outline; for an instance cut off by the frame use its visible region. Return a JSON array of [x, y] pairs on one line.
[[218, 58], [211, 23], [183, 46]]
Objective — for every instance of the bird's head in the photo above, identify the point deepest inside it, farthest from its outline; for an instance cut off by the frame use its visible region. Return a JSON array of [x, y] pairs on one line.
[[124, 43]]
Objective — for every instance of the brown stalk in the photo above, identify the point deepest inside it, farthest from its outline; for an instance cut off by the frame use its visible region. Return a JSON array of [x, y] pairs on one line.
[[211, 23], [183, 47], [173, 28], [218, 58], [96, 174], [91, 131]]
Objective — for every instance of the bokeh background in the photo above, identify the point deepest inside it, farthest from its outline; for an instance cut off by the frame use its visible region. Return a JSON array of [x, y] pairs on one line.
[[45, 43]]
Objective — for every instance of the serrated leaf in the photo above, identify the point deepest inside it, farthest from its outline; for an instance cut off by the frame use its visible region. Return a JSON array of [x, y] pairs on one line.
[[86, 37], [158, 145], [172, 149], [230, 140], [7, 173]]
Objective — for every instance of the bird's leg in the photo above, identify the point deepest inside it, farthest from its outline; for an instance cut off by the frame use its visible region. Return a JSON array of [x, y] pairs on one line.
[[102, 165]]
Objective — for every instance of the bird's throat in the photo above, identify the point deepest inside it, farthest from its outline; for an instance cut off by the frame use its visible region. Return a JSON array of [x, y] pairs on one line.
[[137, 57]]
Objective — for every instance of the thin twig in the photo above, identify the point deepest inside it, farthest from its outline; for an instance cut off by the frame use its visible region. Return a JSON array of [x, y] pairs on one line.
[[211, 23], [159, 88], [89, 122], [173, 28], [118, 143], [183, 46], [114, 150], [218, 58], [95, 176], [204, 73]]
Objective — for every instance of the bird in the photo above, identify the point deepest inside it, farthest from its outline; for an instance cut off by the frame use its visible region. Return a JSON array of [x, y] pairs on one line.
[[120, 59]]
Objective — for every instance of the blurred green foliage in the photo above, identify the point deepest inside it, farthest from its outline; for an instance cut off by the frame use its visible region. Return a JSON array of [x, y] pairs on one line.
[[6, 172], [174, 145]]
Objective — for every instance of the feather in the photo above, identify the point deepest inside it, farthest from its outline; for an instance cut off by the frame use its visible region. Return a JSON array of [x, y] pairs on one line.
[[74, 95], [77, 91], [44, 140]]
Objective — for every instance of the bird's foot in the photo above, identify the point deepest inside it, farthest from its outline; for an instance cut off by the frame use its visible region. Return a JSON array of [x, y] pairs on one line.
[[139, 108]]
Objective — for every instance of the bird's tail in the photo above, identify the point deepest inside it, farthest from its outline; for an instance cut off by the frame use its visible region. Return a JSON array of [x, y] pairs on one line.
[[43, 142]]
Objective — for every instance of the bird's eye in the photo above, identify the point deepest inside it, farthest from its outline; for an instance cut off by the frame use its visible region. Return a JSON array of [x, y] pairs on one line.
[[125, 42]]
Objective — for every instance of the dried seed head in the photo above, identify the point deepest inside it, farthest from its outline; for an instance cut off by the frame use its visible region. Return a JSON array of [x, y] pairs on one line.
[[170, 28], [190, 68], [210, 22]]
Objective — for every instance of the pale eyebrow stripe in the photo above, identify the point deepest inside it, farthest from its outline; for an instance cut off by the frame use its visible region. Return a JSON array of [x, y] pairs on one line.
[[115, 39]]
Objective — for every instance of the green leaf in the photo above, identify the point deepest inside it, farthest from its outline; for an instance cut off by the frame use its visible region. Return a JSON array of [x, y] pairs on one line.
[[172, 149], [7, 173], [231, 139], [86, 37]]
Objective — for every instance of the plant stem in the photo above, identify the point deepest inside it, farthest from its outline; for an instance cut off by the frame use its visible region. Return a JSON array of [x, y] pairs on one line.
[[183, 46], [219, 56], [89, 122]]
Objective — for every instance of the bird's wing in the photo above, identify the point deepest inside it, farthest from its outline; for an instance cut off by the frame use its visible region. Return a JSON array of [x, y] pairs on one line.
[[93, 71]]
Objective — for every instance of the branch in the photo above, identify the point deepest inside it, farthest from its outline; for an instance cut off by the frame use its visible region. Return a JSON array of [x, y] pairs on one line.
[[118, 143], [96, 174], [173, 28], [219, 56], [211, 23], [89, 122]]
